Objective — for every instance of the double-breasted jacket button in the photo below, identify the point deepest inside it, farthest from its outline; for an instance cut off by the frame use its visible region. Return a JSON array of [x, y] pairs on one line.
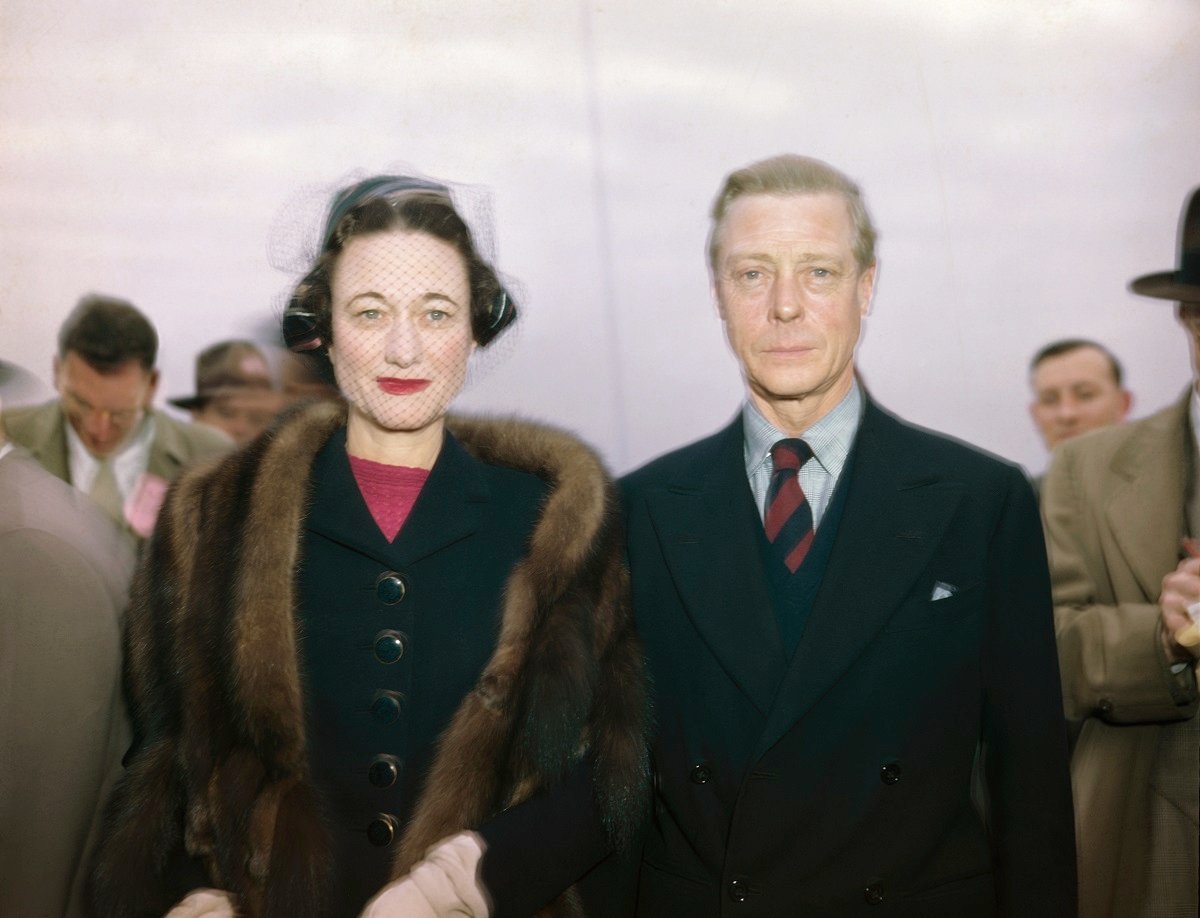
[[389, 646], [384, 771], [382, 830], [387, 707], [873, 893], [890, 773], [739, 890], [700, 774], [389, 587], [1105, 707]]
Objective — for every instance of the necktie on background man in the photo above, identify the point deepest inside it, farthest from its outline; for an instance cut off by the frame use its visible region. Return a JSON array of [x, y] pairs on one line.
[[789, 521], [106, 493]]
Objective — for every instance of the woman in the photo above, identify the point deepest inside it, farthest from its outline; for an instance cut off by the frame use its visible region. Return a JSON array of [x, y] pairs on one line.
[[376, 627]]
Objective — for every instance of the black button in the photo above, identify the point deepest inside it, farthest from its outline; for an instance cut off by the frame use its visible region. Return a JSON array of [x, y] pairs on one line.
[[384, 771], [382, 830], [738, 890], [389, 588], [387, 706], [389, 646], [1105, 707], [890, 773], [874, 894], [700, 774]]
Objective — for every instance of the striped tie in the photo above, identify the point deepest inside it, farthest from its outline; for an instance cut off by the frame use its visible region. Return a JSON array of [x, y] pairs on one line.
[[789, 521]]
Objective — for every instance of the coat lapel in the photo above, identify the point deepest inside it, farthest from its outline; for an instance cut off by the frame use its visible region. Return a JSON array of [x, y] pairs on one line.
[[448, 509], [894, 518], [1150, 472], [705, 522]]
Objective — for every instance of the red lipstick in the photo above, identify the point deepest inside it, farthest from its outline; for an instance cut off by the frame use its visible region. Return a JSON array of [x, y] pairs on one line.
[[394, 385]]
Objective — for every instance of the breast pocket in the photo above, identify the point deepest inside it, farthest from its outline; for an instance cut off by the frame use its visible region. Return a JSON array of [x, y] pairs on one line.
[[937, 604]]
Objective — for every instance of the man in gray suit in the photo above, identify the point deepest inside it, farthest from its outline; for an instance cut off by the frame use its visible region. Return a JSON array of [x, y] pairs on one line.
[[101, 434], [63, 578]]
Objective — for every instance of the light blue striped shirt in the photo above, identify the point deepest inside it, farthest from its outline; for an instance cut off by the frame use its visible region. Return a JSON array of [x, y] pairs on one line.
[[830, 440]]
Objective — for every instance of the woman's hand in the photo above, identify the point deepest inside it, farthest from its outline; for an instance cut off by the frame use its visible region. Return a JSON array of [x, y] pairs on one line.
[[444, 885], [204, 903]]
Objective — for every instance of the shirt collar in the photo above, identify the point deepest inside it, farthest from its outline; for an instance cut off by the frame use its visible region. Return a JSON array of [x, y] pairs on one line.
[[830, 438]]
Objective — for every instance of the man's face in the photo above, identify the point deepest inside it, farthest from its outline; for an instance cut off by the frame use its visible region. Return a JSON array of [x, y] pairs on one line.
[[1189, 318], [242, 415], [1076, 392], [792, 297], [104, 408]]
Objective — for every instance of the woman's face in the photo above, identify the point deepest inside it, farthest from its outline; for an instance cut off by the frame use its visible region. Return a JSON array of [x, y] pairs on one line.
[[401, 328]]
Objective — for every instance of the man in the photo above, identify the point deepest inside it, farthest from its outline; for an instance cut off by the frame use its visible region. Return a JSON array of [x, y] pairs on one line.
[[63, 580], [1118, 506], [840, 656], [1076, 388], [101, 434], [234, 391]]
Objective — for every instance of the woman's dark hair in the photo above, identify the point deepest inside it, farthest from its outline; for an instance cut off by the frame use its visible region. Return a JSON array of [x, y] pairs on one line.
[[385, 204]]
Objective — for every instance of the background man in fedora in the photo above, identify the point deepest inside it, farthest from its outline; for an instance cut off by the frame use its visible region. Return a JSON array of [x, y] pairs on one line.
[[847, 619], [1121, 509], [101, 434], [234, 391]]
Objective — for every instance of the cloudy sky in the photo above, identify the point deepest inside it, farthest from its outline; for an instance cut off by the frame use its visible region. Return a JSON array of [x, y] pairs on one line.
[[1023, 161]]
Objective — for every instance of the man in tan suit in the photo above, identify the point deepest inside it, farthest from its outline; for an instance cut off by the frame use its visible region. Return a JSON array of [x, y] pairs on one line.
[[101, 434], [63, 581], [1121, 507]]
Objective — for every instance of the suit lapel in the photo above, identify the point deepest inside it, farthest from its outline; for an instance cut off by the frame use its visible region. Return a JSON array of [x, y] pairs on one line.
[[1149, 472], [705, 522], [167, 453], [894, 518]]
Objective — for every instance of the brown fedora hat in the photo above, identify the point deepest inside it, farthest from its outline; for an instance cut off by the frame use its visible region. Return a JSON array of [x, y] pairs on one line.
[[1183, 285], [226, 368]]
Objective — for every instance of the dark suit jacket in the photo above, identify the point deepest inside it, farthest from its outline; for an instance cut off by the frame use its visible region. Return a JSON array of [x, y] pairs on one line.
[[840, 781]]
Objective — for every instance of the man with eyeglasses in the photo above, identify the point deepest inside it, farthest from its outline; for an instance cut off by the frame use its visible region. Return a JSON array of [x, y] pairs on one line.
[[101, 434], [1122, 513]]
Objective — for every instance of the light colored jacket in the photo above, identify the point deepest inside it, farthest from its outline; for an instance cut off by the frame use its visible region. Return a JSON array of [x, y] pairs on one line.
[[63, 729], [1113, 503]]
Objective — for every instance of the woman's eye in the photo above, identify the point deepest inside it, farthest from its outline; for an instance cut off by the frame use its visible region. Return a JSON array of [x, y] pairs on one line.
[[437, 315], [370, 314]]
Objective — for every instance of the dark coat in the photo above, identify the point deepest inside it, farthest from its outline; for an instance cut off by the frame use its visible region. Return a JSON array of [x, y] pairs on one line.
[[224, 774], [839, 782]]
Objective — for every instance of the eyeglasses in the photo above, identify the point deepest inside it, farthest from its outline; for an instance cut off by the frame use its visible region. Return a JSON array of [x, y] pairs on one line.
[[79, 409]]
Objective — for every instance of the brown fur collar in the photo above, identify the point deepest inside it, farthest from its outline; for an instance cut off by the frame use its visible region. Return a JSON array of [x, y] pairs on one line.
[[213, 673]]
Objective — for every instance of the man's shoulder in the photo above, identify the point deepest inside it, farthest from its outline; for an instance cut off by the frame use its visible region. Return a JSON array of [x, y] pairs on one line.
[[188, 440], [933, 450], [680, 464], [31, 421], [1161, 434], [32, 501]]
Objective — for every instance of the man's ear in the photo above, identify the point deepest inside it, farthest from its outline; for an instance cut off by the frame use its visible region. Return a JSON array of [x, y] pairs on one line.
[[866, 288], [152, 387]]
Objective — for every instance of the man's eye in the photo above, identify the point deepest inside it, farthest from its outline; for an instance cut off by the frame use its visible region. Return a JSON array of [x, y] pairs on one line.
[[368, 314], [822, 272], [752, 275], [437, 315]]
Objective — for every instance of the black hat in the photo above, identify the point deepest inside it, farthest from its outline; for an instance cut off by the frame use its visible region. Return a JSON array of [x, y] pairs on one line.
[[1182, 286]]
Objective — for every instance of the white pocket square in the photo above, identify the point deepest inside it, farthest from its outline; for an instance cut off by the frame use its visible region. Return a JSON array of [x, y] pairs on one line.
[[942, 591]]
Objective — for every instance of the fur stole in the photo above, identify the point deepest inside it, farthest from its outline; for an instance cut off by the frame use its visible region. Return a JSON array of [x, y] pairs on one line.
[[212, 667]]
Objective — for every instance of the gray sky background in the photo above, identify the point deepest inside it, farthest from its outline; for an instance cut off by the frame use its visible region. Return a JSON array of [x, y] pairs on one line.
[[1023, 160]]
